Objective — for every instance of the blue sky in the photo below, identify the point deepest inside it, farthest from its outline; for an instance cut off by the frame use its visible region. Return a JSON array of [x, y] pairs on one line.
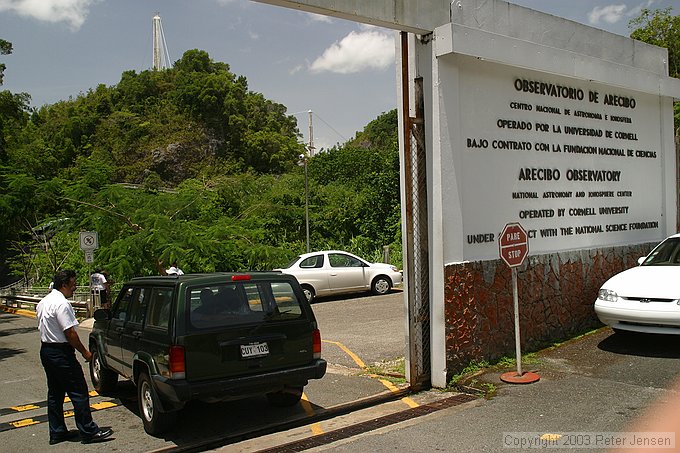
[[344, 72]]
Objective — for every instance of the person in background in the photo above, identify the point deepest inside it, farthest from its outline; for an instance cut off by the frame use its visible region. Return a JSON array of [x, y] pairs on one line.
[[174, 270], [57, 325], [106, 301], [98, 285]]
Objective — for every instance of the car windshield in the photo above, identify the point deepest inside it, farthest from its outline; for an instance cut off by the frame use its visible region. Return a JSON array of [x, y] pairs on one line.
[[241, 303], [665, 254]]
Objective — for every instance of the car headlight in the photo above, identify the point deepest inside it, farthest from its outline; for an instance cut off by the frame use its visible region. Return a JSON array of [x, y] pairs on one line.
[[607, 295], [394, 268]]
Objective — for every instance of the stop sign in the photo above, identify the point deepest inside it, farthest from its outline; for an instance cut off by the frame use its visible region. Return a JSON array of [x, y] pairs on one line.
[[513, 244]]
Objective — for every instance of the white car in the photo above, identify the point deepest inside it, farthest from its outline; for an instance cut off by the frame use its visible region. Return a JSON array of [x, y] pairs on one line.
[[645, 298], [335, 272]]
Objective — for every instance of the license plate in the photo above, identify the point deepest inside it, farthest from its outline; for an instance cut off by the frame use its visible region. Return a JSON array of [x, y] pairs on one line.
[[254, 350]]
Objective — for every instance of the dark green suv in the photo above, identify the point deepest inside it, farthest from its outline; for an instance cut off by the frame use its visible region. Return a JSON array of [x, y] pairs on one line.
[[208, 337]]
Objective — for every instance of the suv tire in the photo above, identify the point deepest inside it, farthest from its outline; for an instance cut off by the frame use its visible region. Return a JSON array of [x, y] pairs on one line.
[[104, 380], [290, 396], [155, 421]]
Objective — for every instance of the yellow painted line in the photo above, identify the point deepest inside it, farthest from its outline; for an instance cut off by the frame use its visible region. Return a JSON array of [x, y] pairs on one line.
[[91, 393], [24, 422], [551, 437], [27, 407], [354, 357], [68, 414], [103, 405], [18, 311], [391, 387], [309, 410]]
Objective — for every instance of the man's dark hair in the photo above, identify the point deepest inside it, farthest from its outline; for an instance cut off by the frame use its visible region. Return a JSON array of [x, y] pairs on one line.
[[61, 278]]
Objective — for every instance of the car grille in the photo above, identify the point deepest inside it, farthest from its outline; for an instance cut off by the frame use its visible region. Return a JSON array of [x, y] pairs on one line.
[[648, 299]]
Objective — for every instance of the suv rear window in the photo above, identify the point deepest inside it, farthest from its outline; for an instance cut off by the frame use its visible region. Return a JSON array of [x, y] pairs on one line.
[[238, 303]]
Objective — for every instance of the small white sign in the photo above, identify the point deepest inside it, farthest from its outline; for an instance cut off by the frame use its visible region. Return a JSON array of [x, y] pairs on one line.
[[89, 256], [89, 240]]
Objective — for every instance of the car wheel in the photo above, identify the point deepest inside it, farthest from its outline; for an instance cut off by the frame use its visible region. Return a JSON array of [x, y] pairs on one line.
[[309, 292], [381, 285], [104, 380], [287, 397], [155, 421]]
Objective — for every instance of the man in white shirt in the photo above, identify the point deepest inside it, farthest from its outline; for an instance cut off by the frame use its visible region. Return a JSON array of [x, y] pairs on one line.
[[57, 324]]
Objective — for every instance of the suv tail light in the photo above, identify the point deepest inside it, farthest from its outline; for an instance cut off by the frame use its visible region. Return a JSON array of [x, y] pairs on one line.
[[177, 369], [316, 344]]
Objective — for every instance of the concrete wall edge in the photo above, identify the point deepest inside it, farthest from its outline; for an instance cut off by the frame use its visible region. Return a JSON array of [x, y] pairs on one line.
[[460, 39]]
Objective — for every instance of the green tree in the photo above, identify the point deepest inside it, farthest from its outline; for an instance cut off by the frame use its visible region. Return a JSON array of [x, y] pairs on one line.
[[14, 116], [5, 49], [660, 28]]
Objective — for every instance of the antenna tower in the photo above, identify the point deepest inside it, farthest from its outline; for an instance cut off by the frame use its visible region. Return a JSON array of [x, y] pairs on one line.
[[161, 58]]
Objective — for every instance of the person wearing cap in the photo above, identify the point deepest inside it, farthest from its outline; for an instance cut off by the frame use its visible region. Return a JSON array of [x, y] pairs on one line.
[[59, 341], [174, 270]]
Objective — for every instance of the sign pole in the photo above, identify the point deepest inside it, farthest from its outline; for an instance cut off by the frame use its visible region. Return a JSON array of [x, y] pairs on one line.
[[515, 300]]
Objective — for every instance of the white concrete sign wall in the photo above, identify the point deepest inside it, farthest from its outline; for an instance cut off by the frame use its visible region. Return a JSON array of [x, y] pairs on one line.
[[578, 164], [576, 147]]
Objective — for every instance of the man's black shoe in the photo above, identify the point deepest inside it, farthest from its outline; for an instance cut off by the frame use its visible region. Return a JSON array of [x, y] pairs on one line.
[[98, 436], [70, 435]]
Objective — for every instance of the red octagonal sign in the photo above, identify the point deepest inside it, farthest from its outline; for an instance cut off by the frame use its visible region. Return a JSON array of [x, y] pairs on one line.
[[513, 244]]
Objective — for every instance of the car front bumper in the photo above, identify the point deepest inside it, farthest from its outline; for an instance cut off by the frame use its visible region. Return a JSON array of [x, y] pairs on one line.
[[654, 317]]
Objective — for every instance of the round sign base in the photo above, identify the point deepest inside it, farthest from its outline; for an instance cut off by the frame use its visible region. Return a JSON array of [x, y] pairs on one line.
[[527, 377]]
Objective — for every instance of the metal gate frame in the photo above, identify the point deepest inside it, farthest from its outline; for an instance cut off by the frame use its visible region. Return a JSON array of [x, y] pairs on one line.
[[416, 243]]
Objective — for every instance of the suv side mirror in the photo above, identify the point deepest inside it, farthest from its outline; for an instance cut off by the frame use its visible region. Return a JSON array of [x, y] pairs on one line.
[[641, 259], [102, 314]]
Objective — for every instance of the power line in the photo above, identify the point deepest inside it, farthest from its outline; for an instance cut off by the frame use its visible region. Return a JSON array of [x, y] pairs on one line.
[[322, 120], [331, 127]]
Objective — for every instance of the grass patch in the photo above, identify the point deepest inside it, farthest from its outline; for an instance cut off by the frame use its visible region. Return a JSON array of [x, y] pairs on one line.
[[391, 370], [467, 380]]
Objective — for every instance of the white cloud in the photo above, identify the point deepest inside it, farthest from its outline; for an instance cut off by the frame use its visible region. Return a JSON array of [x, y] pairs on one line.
[[633, 12], [610, 14], [296, 69], [356, 52], [319, 18], [73, 12]]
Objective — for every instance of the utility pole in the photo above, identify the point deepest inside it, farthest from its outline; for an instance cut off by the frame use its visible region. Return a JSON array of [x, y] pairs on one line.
[[311, 136], [311, 153], [307, 204]]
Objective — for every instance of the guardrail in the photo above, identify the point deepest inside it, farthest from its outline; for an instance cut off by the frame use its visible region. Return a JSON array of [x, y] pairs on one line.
[[24, 302]]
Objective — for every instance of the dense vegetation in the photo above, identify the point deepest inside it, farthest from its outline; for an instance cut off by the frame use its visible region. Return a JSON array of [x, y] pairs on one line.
[[211, 178]]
